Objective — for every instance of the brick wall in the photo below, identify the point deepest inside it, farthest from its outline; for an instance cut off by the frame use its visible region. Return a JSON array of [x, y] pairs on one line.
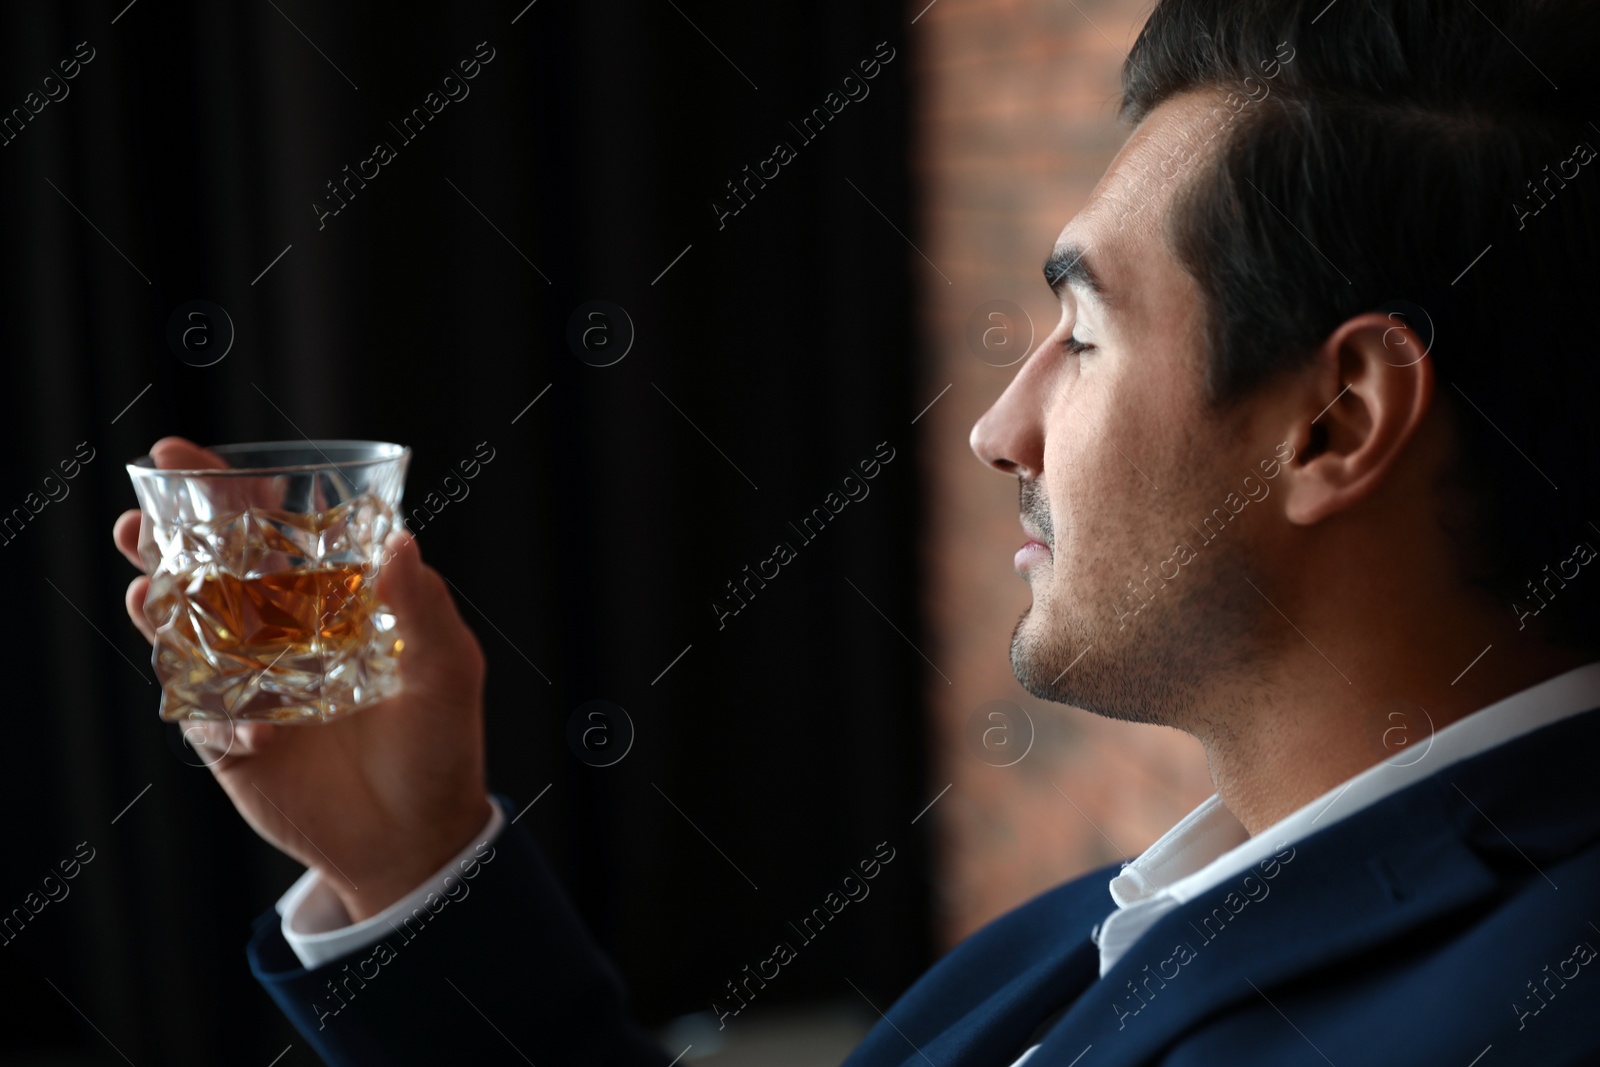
[[1018, 121]]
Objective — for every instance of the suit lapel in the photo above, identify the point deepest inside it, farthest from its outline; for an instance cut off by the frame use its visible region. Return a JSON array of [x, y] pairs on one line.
[[978, 1006], [1010, 1014]]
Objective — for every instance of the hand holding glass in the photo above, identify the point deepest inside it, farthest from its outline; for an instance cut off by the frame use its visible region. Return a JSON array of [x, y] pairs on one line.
[[263, 579]]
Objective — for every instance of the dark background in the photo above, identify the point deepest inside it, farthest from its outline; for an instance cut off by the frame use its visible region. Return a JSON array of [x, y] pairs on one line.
[[194, 142]]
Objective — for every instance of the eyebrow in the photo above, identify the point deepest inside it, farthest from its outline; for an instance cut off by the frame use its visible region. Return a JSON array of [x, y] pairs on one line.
[[1069, 265]]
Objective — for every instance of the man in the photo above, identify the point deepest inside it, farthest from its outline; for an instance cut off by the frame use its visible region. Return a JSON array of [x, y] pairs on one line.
[[1306, 469]]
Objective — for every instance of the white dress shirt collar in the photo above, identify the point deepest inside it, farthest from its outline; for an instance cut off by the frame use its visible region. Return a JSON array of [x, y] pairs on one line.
[[1209, 845]]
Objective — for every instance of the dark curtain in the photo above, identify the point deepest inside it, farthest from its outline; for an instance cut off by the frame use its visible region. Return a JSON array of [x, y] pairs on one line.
[[189, 157]]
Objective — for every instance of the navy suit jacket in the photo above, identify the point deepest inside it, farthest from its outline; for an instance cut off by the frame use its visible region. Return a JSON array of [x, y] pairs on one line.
[[1455, 922]]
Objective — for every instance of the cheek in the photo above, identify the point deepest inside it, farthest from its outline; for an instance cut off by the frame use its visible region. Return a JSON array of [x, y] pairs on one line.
[[1148, 429], [1091, 429], [1111, 443]]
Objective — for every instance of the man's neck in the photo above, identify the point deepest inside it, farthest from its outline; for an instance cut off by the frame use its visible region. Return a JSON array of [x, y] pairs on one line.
[[1290, 741]]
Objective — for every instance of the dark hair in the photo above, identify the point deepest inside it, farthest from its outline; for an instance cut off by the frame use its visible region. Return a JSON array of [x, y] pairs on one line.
[[1393, 142]]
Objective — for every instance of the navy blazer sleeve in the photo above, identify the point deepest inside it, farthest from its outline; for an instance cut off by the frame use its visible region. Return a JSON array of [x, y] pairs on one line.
[[502, 973]]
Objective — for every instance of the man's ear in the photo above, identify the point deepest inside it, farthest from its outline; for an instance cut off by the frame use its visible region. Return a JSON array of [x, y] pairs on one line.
[[1353, 413]]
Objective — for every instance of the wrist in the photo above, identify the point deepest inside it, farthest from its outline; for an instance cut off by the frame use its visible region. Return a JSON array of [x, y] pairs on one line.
[[410, 867]]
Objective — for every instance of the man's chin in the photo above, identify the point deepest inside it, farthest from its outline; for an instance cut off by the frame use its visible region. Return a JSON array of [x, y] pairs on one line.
[[1035, 646], [1060, 662]]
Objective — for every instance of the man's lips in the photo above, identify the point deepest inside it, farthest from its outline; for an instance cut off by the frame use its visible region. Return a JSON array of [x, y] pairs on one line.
[[1032, 551]]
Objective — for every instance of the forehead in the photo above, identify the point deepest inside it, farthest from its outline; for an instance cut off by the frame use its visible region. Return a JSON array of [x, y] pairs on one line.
[[1122, 226]]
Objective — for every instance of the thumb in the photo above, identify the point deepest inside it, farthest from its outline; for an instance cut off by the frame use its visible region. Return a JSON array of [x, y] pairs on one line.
[[437, 649]]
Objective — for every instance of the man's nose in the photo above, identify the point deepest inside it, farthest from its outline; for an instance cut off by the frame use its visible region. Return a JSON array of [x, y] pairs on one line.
[[1010, 436]]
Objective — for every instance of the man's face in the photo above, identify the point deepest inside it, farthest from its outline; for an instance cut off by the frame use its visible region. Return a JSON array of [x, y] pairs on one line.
[[1120, 460]]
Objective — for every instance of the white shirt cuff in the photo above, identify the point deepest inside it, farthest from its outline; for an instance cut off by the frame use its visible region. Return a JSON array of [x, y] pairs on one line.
[[317, 927]]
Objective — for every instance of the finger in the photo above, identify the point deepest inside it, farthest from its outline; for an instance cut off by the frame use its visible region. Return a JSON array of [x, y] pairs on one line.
[[125, 532], [439, 648], [210, 739], [180, 453], [138, 590], [169, 453], [222, 744], [251, 737]]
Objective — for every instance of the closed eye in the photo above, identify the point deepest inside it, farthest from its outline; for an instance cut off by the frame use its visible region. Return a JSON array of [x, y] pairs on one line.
[[1075, 346]]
